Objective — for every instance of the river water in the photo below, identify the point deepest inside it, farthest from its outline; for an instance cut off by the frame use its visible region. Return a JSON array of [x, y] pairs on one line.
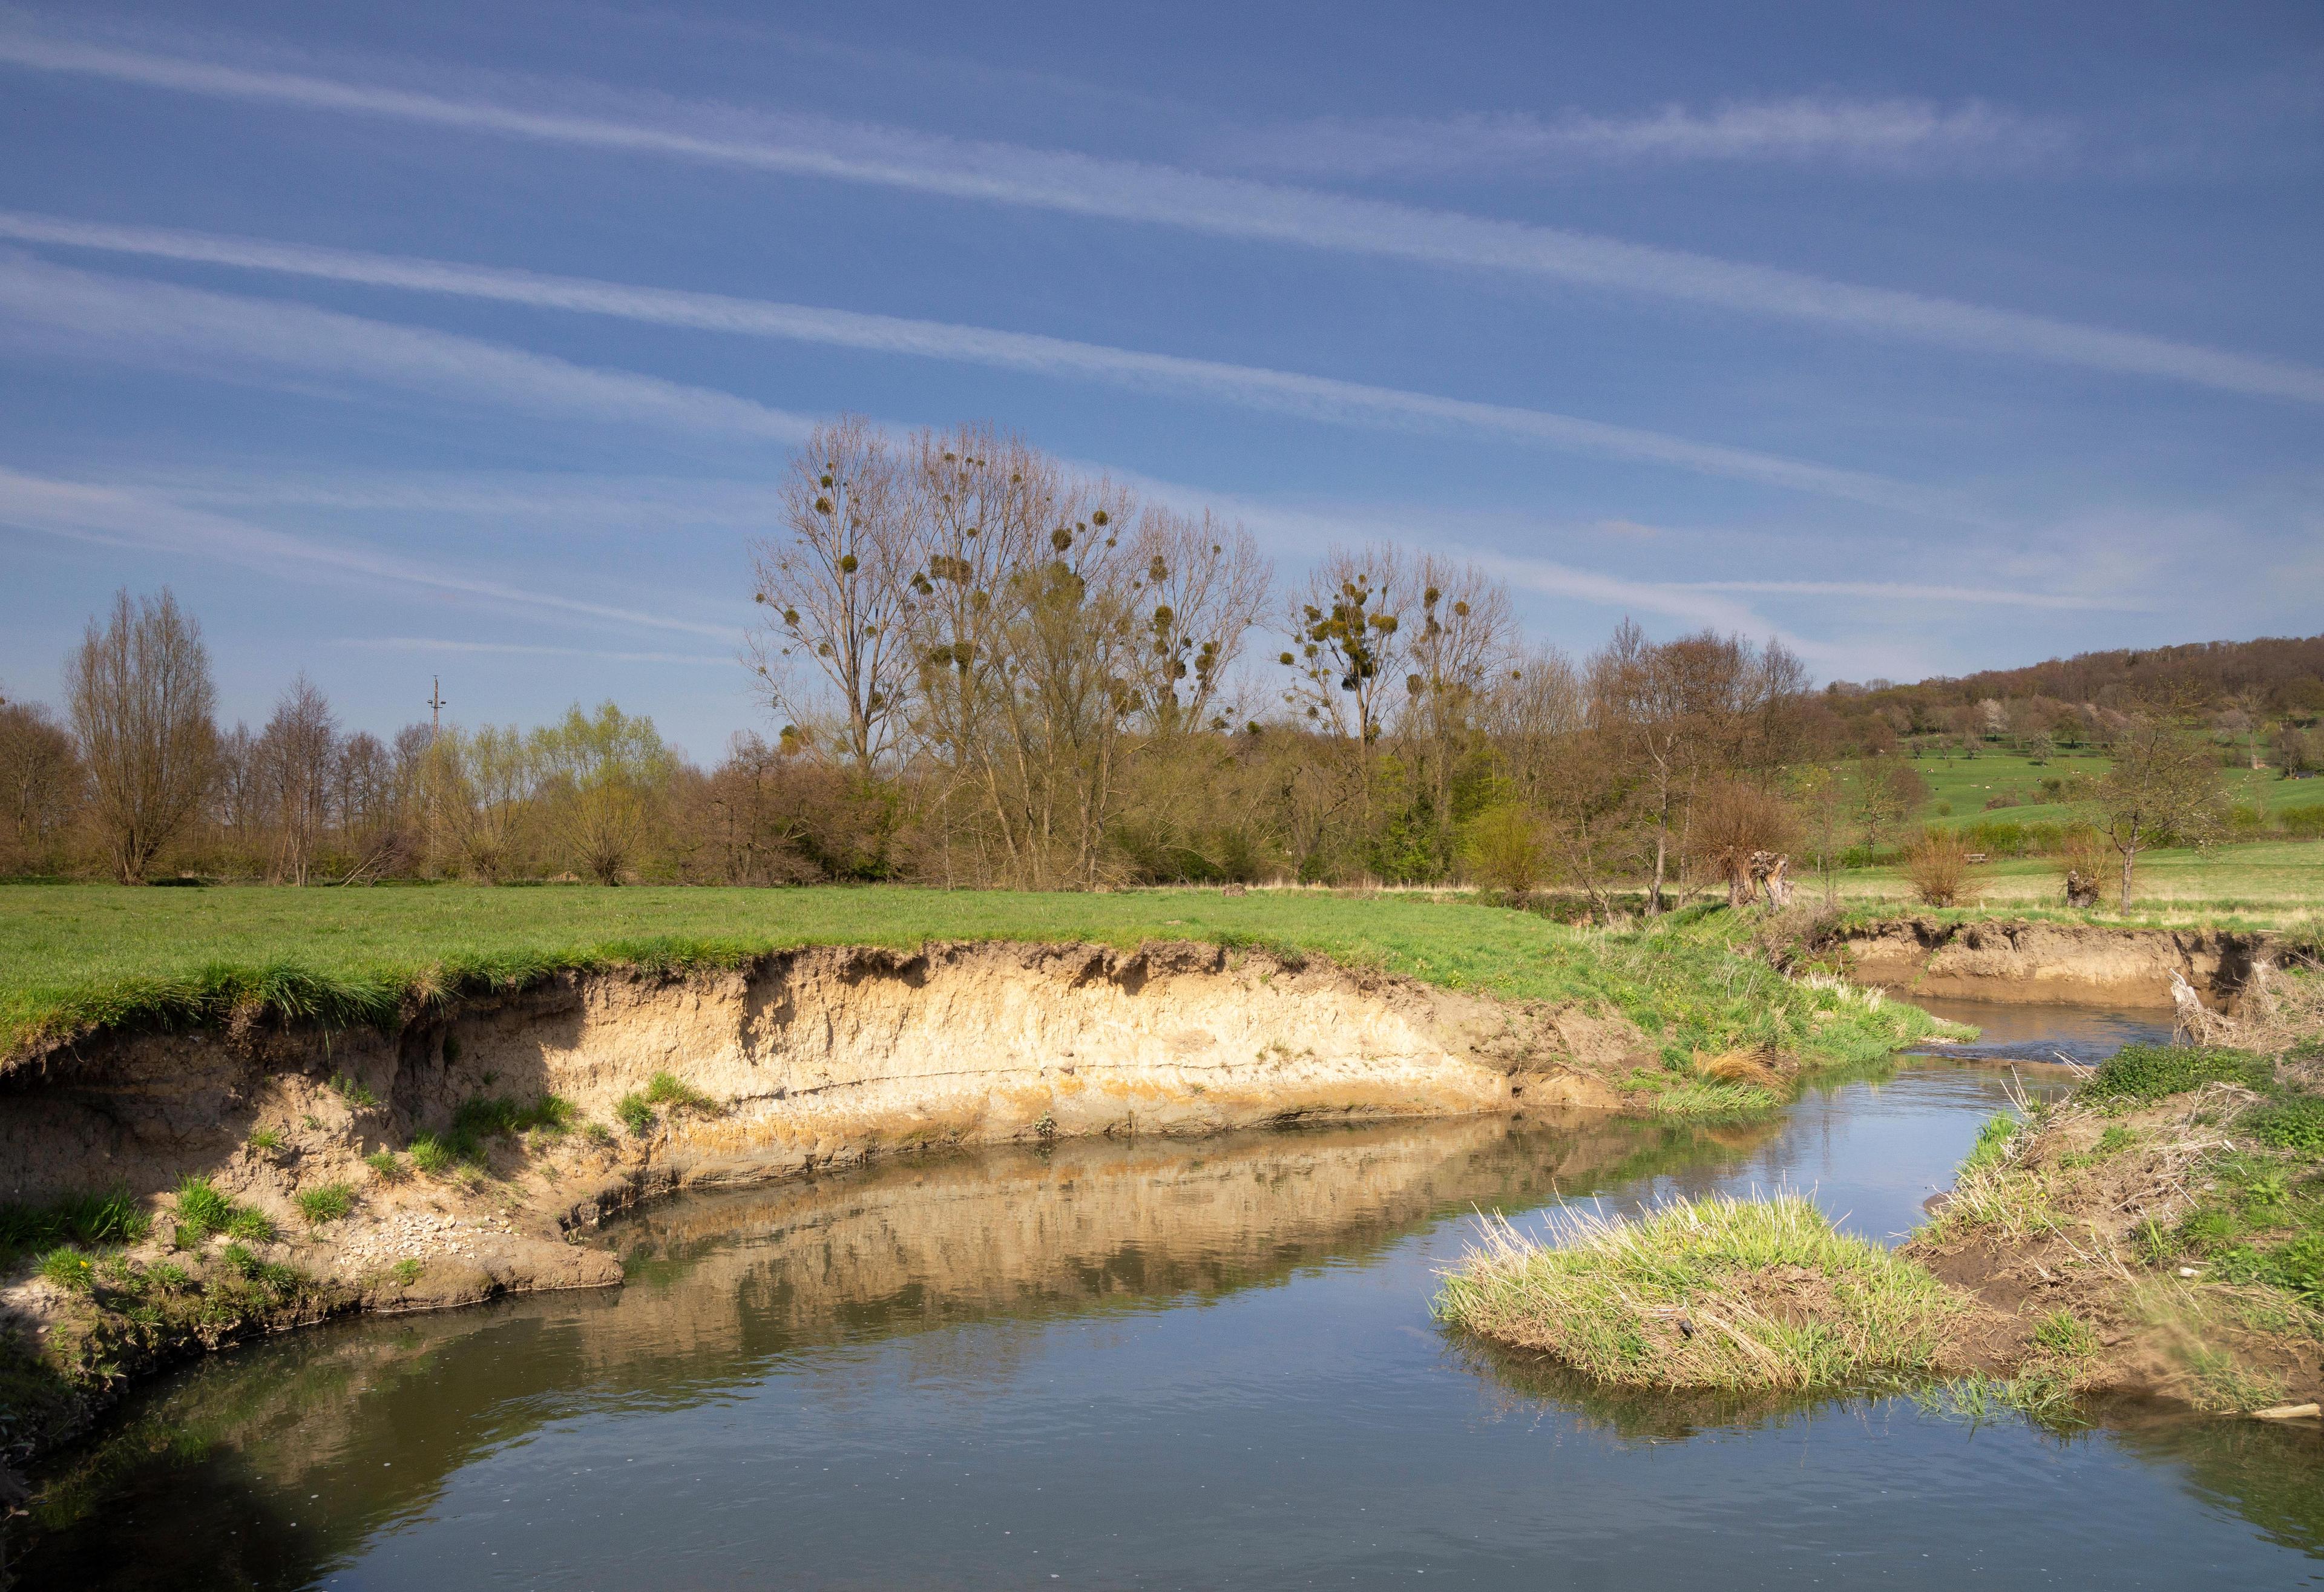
[[1167, 1364]]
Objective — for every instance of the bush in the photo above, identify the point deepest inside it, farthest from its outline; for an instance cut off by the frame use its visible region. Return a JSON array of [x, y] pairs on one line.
[[2141, 1074], [328, 1203], [1938, 866], [1504, 851], [2303, 823]]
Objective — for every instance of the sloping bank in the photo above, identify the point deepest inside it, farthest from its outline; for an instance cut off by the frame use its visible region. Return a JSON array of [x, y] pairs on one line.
[[2160, 1234], [246, 1168]]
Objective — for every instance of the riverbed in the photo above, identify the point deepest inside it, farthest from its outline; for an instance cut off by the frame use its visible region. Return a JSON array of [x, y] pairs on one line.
[[1158, 1363]]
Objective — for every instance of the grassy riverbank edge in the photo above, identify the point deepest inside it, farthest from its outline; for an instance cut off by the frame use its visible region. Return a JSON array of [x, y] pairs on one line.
[[80, 961], [2159, 1232]]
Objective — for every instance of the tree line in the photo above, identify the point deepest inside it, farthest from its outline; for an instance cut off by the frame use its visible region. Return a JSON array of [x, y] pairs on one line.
[[988, 670]]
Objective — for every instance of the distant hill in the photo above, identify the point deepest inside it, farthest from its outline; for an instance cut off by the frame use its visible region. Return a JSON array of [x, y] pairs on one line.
[[2271, 676]]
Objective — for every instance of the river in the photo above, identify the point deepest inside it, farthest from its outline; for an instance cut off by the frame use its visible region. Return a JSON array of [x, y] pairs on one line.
[[1153, 1364]]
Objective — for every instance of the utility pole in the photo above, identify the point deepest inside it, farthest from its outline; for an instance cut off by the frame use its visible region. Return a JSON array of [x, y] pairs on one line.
[[436, 705]]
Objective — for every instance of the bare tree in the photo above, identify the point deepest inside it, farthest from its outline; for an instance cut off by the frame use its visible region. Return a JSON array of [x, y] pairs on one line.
[[1533, 713], [1458, 653], [985, 502], [1349, 651], [836, 589], [40, 785], [1201, 585], [140, 696], [297, 756], [2163, 788], [1682, 710]]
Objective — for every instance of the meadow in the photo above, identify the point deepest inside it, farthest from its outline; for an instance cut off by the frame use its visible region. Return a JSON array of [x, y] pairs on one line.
[[75, 957]]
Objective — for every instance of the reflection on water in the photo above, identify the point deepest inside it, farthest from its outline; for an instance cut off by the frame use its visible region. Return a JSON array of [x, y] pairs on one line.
[[1194, 1364], [2082, 1035]]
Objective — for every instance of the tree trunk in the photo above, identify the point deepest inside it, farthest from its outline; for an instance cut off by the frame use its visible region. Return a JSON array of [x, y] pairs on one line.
[[2130, 858]]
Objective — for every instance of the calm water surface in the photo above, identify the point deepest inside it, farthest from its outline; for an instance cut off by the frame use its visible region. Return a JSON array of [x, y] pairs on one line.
[[1206, 1365]]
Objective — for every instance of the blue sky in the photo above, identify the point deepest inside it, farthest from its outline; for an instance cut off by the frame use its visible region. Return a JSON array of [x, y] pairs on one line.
[[471, 342]]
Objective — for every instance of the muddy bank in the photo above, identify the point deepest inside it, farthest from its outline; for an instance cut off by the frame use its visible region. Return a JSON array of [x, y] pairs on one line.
[[2070, 964], [798, 1061]]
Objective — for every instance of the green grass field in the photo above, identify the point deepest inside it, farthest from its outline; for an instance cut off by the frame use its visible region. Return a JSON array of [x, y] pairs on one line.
[[2258, 885], [77, 957], [1965, 784]]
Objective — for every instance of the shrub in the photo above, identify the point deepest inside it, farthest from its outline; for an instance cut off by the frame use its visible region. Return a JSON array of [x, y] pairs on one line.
[[2303, 823], [1504, 851], [1938, 866], [326, 1203]]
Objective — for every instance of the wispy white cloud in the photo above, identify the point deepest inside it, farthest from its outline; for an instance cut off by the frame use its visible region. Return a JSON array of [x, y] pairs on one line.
[[1219, 206], [430, 644], [144, 322], [112, 516], [1885, 136], [1910, 592], [1319, 398]]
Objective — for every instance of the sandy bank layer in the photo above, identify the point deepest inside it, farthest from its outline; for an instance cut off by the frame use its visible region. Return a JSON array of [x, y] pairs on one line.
[[2066, 962]]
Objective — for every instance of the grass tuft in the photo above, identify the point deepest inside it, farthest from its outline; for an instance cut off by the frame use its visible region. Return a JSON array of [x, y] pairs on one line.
[[68, 1268], [1713, 1294], [326, 1203], [111, 1216]]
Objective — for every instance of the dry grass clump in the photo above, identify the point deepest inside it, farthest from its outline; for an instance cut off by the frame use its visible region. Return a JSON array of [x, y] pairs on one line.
[[1760, 1066], [1712, 1293]]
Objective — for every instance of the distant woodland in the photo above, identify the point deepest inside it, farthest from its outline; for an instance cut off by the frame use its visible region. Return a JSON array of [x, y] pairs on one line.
[[981, 668]]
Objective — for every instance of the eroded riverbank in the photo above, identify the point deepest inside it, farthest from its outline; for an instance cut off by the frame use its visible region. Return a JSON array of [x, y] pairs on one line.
[[1181, 1362]]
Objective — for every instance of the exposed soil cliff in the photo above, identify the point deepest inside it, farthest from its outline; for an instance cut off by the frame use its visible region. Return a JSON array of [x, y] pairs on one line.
[[801, 1060], [2068, 963]]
